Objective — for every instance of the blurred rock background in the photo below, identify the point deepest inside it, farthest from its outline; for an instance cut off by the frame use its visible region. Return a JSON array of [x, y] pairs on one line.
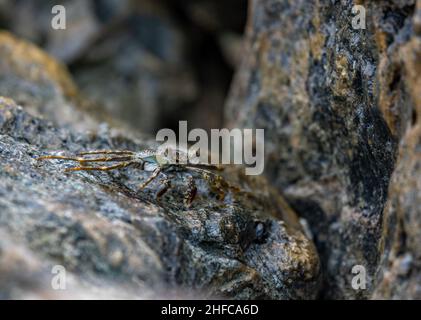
[[149, 63]]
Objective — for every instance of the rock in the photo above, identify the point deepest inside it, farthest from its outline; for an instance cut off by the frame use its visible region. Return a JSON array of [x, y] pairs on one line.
[[44, 87], [108, 234], [400, 275], [138, 70], [40, 84], [340, 108], [335, 102], [25, 275], [32, 20], [145, 63]]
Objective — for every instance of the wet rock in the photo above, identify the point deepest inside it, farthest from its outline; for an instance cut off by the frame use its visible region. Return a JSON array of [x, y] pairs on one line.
[[104, 231], [334, 102]]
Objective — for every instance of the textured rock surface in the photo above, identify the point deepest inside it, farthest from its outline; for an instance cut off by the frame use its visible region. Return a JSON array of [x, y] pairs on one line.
[[335, 103], [43, 86], [137, 69], [146, 62], [103, 231], [402, 268], [32, 21], [341, 109], [40, 84]]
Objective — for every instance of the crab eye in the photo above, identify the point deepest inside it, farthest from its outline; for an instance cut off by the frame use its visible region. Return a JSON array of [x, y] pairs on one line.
[[260, 232], [259, 229], [255, 232], [161, 160]]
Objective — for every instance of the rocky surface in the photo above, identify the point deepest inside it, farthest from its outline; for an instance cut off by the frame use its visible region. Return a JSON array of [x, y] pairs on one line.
[[401, 274], [137, 68], [100, 228], [340, 108], [145, 62], [337, 104], [40, 84], [114, 241], [111, 239]]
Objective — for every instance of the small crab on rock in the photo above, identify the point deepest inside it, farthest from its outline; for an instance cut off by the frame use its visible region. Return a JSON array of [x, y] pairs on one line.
[[160, 163]]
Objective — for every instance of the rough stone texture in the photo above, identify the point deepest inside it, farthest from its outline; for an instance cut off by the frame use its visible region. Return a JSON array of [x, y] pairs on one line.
[[341, 109], [114, 241], [335, 103], [402, 268], [101, 229], [43, 86], [32, 21], [39, 83], [27, 275], [145, 62], [138, 71]]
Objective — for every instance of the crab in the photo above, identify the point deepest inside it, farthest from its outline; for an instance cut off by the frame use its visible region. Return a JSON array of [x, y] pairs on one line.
[[159, 163]]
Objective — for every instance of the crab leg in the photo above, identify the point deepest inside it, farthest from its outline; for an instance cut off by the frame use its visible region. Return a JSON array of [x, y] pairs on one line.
[[165, 185], [127, 152], [104, 168], [153, 176], [203, 166], [84, 160], [203, 172], [191, 191]]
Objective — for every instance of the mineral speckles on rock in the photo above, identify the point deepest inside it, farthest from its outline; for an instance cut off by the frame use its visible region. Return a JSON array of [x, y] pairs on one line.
[[102, 229], [334, 103]]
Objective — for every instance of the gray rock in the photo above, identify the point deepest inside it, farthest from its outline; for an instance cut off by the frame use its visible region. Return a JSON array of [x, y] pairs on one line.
[[39, 83], [103, 230], [334, 102], [138, 72], [146, 62], [32, 20]]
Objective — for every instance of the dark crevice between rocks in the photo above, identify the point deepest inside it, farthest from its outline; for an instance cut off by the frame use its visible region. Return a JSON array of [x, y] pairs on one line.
[[394, 19], [318, 223], [205, 55], [414, 117]]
